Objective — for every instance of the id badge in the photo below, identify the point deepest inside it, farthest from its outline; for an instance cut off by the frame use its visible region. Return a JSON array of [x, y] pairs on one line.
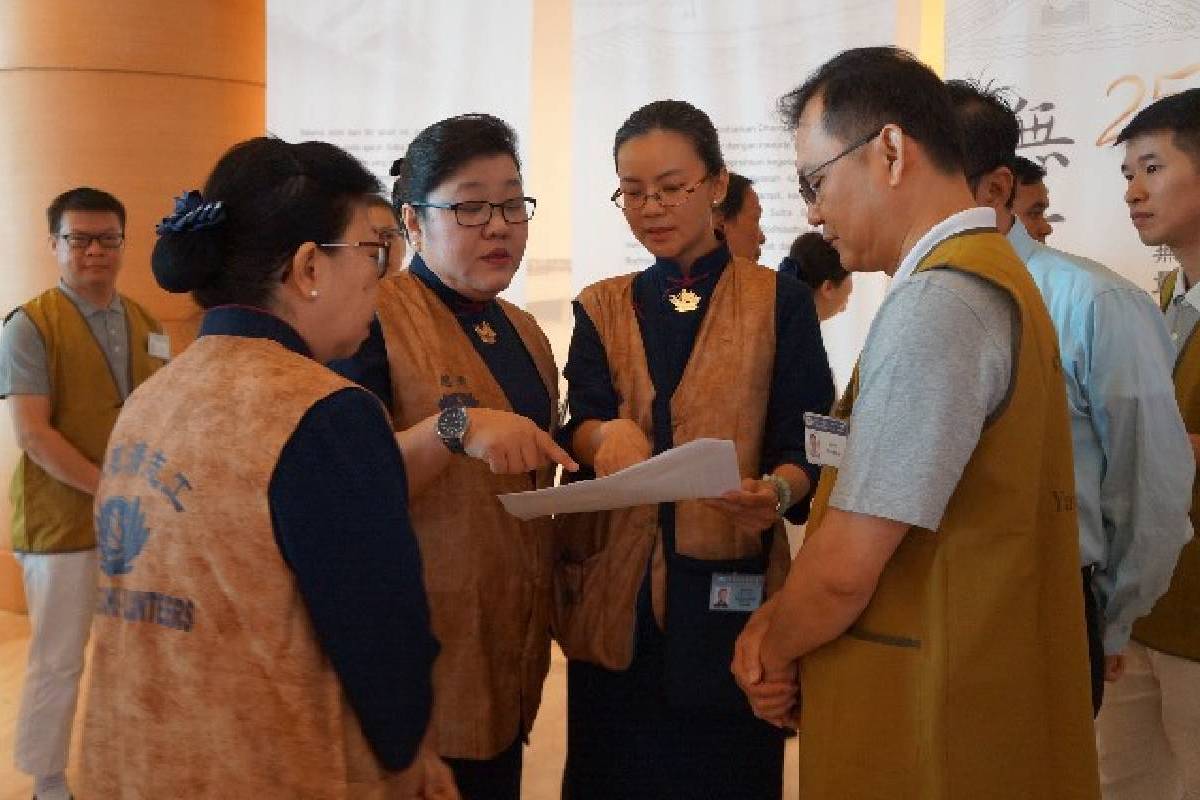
[[159, 346], [825, 439], [732, 591]]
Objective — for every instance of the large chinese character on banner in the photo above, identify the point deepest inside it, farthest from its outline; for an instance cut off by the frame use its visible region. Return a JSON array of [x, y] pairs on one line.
[[1078, 72]]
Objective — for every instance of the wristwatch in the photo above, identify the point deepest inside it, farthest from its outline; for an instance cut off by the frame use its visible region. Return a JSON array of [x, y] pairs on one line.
[[783, 493], [452, 428]]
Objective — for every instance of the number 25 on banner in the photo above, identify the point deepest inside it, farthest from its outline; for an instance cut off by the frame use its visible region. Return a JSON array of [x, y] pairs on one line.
[[1109, 135]]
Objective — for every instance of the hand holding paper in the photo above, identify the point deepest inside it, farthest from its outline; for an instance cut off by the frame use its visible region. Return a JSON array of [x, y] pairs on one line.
[[699, 469]]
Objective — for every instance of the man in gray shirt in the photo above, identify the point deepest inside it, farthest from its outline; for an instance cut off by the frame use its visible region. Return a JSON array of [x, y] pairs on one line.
[[68, 360], [935, 604]]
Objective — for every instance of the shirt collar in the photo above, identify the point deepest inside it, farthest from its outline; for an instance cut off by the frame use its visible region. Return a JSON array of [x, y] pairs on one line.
[[1191, 296], [85, 306], [978, 217], [252, 323], [712, 262], [453, 300], [1021, 241]]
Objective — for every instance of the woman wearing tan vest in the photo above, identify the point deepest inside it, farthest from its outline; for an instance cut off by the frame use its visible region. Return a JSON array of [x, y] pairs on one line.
[[650, 599], [472, 386], [261, 628]]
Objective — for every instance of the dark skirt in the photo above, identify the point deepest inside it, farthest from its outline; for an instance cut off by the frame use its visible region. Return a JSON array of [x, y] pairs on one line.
[[496, 778], [625, 742]]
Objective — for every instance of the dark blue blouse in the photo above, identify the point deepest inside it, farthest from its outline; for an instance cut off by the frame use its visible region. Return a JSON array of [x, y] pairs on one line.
[[801, 381], [339, 506], [506, 358]]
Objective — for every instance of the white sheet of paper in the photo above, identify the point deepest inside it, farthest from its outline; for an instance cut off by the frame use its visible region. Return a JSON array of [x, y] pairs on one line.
[[700, 468]]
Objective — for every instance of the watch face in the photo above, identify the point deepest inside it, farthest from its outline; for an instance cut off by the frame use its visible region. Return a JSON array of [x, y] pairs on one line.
[[452, 423]]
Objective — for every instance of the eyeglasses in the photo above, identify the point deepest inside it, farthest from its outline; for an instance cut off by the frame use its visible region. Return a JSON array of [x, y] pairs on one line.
[[807, 190], [477, 213], [381, 252], [667, 197], [82, 241], [388, 235]]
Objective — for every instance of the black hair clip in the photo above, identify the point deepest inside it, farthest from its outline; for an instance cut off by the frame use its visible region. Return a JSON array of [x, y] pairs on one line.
[[192, 214]]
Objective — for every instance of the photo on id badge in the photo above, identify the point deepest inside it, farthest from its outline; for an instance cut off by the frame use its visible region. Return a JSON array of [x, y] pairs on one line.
[[826, 439], [731, 591]]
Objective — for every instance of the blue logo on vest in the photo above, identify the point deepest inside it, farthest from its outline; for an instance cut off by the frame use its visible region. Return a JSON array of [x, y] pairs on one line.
[[122, 529]]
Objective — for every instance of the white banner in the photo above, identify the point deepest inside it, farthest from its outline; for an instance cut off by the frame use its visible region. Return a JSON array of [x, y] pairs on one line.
[[734, 60], [368, 75], [1078, 71]]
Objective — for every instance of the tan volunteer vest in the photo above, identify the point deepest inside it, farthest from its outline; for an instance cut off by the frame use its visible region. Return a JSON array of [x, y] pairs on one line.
[[486, 572], [207, 678], [49, 516], [723, 394], [1173, 626], [966, 678]]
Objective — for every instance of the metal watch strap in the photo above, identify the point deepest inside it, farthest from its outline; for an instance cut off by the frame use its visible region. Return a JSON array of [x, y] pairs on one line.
[[783, 492]]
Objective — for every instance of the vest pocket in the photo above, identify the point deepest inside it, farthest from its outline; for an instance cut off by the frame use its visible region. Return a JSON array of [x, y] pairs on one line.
[[863, 724], [578, 617], [596, 578]]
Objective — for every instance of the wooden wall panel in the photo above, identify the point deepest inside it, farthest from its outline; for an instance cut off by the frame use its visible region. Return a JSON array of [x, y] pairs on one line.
[[137, 97]]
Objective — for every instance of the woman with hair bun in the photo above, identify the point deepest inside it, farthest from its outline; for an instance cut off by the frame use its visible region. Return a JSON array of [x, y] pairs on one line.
[[261, 627], [814, 261], [466, 373]]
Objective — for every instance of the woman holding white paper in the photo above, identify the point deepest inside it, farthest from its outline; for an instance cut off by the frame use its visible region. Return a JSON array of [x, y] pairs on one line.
[[650, 599], [472, 387]]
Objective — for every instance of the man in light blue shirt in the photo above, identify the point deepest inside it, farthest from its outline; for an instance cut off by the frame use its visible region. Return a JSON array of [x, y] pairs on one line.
[[1133, 463]]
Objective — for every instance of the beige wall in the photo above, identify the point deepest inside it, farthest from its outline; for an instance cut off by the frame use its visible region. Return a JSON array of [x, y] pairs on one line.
[[137, 97], [548, 257]]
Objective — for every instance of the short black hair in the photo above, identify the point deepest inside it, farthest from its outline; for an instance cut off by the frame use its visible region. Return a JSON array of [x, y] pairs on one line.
[[82, 198], [441, 149], [681, 117], [865, 88], [276, 196], [990, 130], [735, 196], [1178, 113], [1027, 172], [814, 261]]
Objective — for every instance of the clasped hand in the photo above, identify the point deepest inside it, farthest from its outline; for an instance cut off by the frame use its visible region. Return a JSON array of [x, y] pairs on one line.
[[772, 690]]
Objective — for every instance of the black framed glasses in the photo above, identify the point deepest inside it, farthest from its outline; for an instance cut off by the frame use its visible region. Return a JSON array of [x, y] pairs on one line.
[[807, 190], [476, 213], [381, 252], [389, 235], [82, 241], [667, 197]]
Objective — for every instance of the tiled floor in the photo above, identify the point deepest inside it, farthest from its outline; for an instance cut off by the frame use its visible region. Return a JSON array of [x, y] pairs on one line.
[[543, 759]]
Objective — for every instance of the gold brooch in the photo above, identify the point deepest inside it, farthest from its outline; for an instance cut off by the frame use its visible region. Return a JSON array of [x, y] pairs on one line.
[[684, 300], [486, 333]]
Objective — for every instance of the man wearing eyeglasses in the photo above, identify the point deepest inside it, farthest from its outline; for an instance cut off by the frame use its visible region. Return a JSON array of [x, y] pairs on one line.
[[68, 360], [934, 611]]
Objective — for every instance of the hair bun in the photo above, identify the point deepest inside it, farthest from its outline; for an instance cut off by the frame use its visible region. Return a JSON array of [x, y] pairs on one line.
[[187, 255], [789, 266], [184, 262]]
